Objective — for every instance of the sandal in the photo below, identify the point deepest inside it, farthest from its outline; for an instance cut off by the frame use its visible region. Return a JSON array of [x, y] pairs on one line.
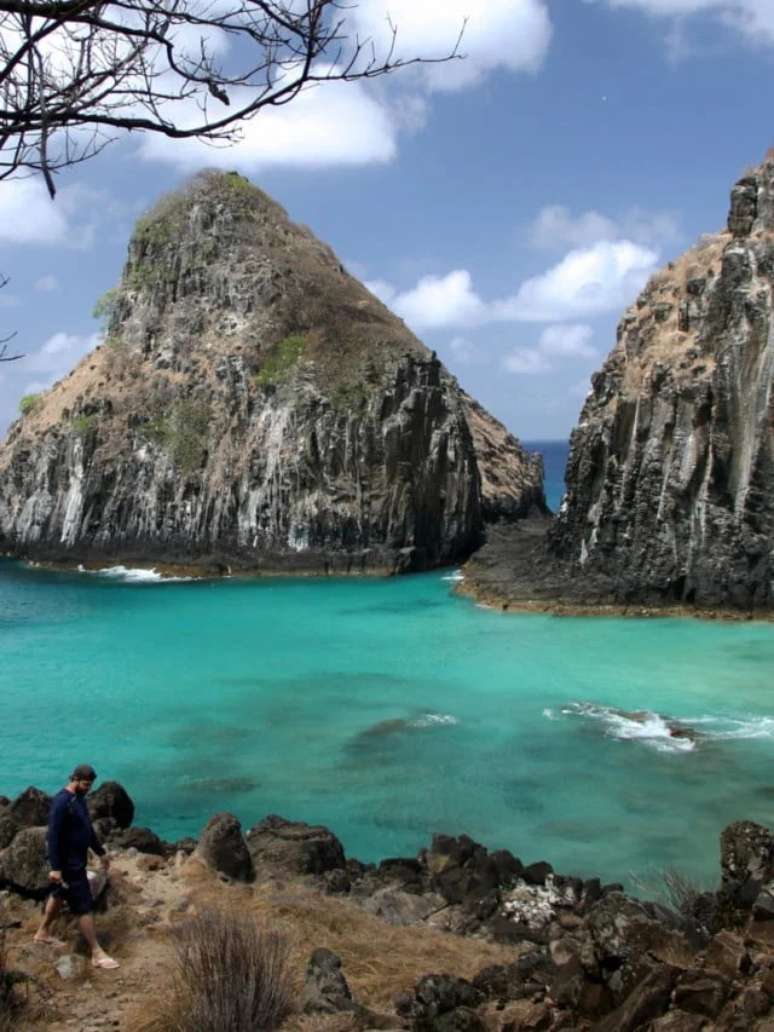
[[106, 963]]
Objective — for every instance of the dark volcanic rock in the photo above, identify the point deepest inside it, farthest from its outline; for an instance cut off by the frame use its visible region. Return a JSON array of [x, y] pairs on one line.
[[112, 800], [325, 987], [670, 477], [254, 406], [746, 853], [8, 828], [222, 846], [292, 847], [31, 808], [143, 840], [24, 863], [670, 494]]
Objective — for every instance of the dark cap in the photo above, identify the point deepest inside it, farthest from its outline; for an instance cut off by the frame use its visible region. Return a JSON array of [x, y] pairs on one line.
[[84, 772]]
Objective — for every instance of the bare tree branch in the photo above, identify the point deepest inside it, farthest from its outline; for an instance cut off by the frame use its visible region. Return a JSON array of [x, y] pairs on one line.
[[4, 356], [75, 74]]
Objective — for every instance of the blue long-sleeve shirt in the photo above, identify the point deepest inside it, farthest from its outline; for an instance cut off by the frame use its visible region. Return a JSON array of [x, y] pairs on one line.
[[70, 834]]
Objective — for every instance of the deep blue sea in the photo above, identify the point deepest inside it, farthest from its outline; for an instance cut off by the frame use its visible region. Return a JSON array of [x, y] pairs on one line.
[[554, 460], [390, 709]]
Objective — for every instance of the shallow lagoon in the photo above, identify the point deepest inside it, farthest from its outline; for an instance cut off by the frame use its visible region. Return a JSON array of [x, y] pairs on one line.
[[390, 709]]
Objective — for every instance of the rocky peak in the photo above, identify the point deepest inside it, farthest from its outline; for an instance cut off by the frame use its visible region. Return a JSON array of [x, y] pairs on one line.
[[752, 201], [253, 405], [670, 495]]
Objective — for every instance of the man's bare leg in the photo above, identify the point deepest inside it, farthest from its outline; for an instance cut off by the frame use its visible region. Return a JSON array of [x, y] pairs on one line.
[[88, 930], [43, 934]]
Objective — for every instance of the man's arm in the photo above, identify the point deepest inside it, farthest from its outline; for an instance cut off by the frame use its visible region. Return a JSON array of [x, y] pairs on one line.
[[55, 821]]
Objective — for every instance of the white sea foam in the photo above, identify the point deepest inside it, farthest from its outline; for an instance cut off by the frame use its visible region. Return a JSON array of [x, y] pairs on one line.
[[133, 575], [667, 734], [645, 726], [455, 577], [434, 720]]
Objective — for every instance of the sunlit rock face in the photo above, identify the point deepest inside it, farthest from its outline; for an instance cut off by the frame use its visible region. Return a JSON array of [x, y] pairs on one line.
[[253, 405], [670, 480]]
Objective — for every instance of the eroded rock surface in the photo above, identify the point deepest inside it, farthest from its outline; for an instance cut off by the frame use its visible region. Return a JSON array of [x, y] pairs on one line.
[[254, 406]]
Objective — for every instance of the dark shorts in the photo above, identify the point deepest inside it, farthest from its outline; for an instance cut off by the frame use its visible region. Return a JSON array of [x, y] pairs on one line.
[[77, 895]]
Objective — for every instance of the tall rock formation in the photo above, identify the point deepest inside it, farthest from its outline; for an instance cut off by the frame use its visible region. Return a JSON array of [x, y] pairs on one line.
[[670, 479], [254, 406]]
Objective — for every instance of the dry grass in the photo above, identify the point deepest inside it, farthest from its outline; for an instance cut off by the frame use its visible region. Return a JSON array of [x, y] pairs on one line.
[[230, 973]]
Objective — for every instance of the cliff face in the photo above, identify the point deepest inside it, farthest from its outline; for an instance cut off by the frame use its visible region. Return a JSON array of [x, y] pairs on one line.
[[670, 479], [254, 405]]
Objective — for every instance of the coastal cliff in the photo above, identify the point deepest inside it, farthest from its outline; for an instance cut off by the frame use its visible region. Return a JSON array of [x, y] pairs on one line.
[[670, 479], [254, 406]]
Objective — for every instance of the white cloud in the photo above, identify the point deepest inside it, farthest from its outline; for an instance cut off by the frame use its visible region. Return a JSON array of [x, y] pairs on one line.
[[336, 123], [46, 284], [587, 281], [441, 301], [753, 18], [29, 216], [510, 34], [556, 228], [564, 341]]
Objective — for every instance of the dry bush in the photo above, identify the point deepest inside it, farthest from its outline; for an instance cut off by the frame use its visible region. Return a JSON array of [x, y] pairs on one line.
[[230, 974], [672, 887]]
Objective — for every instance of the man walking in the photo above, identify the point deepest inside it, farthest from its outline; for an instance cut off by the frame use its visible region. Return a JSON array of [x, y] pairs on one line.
[[70, 836]]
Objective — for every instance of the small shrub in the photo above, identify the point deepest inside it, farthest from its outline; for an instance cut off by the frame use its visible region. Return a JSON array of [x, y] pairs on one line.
[[280, 360], [182, 433], [29, 403], [106, 307], [83, 424], [348, 397], [231, 974]]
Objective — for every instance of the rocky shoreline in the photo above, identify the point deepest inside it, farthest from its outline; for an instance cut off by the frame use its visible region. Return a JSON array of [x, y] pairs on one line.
[[570, 953], [513, 572]]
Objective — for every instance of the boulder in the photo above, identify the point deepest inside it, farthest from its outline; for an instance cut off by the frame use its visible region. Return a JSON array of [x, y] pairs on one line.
[[292, 847], [8, 828], [325, 987], [437, 995], [112, 800], [746, 853], [678, 1021], [24, 863], [31, 808], [647, 1002], [727, 955], [698, 994], [142, 839], [222, 846], [402, 908]]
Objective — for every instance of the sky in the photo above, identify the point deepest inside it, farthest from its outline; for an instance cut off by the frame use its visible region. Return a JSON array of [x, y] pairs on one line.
[[507, 206]]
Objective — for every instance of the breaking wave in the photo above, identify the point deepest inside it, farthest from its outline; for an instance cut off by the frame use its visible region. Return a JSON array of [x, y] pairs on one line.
[[665, 734], [434, 720], [132, 575], [455, 577]]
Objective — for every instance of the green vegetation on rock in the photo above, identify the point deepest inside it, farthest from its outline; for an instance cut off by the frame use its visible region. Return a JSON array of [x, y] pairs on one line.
[[106, 307], [83, 424], [182, 432], [281, 360], [29, 403]]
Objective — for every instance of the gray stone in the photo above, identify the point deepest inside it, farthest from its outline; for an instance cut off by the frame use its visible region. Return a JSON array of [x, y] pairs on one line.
[[292, 847], [222, 846], [325, 987], [24, 863], [111, 800], [31, 808]]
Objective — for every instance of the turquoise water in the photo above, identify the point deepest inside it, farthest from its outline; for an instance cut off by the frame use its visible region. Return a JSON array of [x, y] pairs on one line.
[[389, 710]]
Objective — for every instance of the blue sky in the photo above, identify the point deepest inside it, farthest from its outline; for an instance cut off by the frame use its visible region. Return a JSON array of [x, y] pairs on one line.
[[507, 207]]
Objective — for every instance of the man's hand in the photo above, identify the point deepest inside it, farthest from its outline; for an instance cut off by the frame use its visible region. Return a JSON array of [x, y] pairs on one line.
[[55, 876]]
